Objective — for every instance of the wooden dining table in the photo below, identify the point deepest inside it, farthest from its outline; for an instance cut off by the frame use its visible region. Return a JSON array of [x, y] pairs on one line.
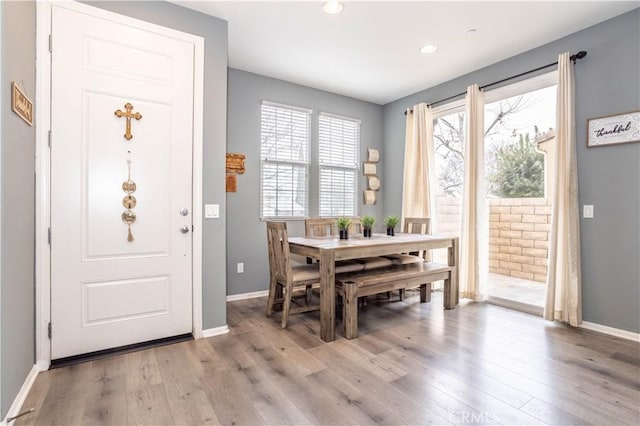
[[328, 250]]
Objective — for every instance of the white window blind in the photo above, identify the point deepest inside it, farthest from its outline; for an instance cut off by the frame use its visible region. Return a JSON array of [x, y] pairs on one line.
[[284, 158], [338, 152]]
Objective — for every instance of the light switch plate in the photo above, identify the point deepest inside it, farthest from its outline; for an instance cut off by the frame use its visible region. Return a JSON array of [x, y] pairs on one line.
[[211, 211], [587, 211]]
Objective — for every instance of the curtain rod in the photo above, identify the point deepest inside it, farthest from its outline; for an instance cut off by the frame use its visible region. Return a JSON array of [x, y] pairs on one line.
[[581, 54]]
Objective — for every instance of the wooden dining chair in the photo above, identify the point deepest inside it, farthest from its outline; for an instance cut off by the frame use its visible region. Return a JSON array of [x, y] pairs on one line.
[[356, 225], [413, 225], [417, 225], [320, 227], [324, 227], [284, 277]]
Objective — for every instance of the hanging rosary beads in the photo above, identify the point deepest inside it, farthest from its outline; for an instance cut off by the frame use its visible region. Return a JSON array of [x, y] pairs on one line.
[[129, 202], [128, 186]]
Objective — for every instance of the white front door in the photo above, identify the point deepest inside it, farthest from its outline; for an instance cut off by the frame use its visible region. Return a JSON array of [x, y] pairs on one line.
[[108, 291]]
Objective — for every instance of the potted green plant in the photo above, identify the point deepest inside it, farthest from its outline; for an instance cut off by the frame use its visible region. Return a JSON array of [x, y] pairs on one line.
[[343, 227], [390, 222], [367, 224]]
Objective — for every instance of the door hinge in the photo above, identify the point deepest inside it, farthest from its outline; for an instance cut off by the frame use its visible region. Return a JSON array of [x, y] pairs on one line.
[[49, 235], [193, 228], [49, 138], [50, 44], [49, 330]]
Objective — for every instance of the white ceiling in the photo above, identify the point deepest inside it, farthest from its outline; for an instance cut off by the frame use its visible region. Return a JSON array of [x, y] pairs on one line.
[[370, 50]]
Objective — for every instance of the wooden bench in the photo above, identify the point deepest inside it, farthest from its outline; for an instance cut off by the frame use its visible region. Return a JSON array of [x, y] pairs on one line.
[[353, 285]]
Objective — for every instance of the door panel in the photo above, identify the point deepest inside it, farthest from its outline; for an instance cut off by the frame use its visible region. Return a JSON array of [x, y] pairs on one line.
[[132, 62], [102, 301], [105, 168], [107, 291]]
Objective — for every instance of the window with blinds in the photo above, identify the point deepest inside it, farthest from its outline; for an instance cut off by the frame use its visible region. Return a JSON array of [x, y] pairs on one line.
[[338, 151], [284, 157]]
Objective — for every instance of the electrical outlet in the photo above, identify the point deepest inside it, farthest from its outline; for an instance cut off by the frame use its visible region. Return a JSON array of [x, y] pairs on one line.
[[587, 211], [240, 268]]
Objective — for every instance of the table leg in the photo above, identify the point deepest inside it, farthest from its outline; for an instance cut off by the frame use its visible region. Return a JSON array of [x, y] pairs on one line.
[[454, 261], [327, 296]]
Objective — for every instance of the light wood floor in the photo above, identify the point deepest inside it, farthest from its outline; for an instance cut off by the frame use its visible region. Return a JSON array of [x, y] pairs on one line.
[[412, 364]]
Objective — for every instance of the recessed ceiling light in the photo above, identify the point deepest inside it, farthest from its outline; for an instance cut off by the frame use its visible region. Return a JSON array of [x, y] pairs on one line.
[[332, 7], [471, 31], [428, 48]]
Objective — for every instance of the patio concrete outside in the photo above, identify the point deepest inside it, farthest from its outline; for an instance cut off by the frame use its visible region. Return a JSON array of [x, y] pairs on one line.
[[521, 292]]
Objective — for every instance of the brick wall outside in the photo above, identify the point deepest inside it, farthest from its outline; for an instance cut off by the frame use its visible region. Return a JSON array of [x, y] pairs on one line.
[[518, 234], [518, 237]]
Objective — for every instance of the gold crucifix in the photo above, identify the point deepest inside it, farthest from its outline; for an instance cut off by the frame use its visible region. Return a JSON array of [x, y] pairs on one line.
[[128, 115]]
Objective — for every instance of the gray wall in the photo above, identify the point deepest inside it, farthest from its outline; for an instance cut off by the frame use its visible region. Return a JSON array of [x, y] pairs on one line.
[[17, 206], [214, 32], [607, 82], [246, 233]]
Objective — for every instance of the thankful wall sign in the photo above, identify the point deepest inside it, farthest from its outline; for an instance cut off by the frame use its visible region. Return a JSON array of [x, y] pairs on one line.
[[613, 129]]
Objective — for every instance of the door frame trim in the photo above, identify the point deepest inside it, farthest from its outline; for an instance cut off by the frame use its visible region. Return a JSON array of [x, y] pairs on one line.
[[43, 165]]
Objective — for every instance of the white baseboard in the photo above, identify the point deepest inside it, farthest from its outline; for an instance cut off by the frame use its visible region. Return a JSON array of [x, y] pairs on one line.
[[244, 296], [210, 332], [623, 334], [42, 365], [16, 407]]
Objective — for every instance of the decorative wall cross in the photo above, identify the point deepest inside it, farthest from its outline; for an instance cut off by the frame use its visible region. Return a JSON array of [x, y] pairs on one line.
[[128, 115]]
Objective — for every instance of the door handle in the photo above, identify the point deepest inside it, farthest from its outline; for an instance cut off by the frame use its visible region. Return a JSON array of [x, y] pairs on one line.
[[184, 229]]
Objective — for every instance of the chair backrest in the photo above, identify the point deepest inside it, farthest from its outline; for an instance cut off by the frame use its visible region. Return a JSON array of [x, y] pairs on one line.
[[320, 227], [279, 254], [356, 225], [417, 225]]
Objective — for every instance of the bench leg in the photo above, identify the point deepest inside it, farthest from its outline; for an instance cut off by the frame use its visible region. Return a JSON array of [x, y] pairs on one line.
[[450, 296], [362, 302], [425, 293], [350, 310], [309, 294], [401, 293]]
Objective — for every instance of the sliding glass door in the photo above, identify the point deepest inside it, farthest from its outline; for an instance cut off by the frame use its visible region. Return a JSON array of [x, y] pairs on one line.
[[448, 135], [519, 142]]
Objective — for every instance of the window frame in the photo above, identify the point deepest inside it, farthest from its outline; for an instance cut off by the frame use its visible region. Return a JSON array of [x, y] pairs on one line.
[[521, 87], [355, 168], [306, 164]]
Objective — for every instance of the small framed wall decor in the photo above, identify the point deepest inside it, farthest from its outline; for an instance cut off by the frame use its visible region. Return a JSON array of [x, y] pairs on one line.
[[231, 183], [235, 163], [613, 129], [21, 104], [369, 197], [373, 155], [373, 183], [368, 168]]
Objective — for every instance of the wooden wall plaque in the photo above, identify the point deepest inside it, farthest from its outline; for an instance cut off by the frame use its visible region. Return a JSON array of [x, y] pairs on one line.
[[231, 183], [235, 163], [21, 105]]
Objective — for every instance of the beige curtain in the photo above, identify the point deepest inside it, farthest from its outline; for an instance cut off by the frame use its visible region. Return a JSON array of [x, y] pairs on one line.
[[418, 198], [474, 243], [564, 284]]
